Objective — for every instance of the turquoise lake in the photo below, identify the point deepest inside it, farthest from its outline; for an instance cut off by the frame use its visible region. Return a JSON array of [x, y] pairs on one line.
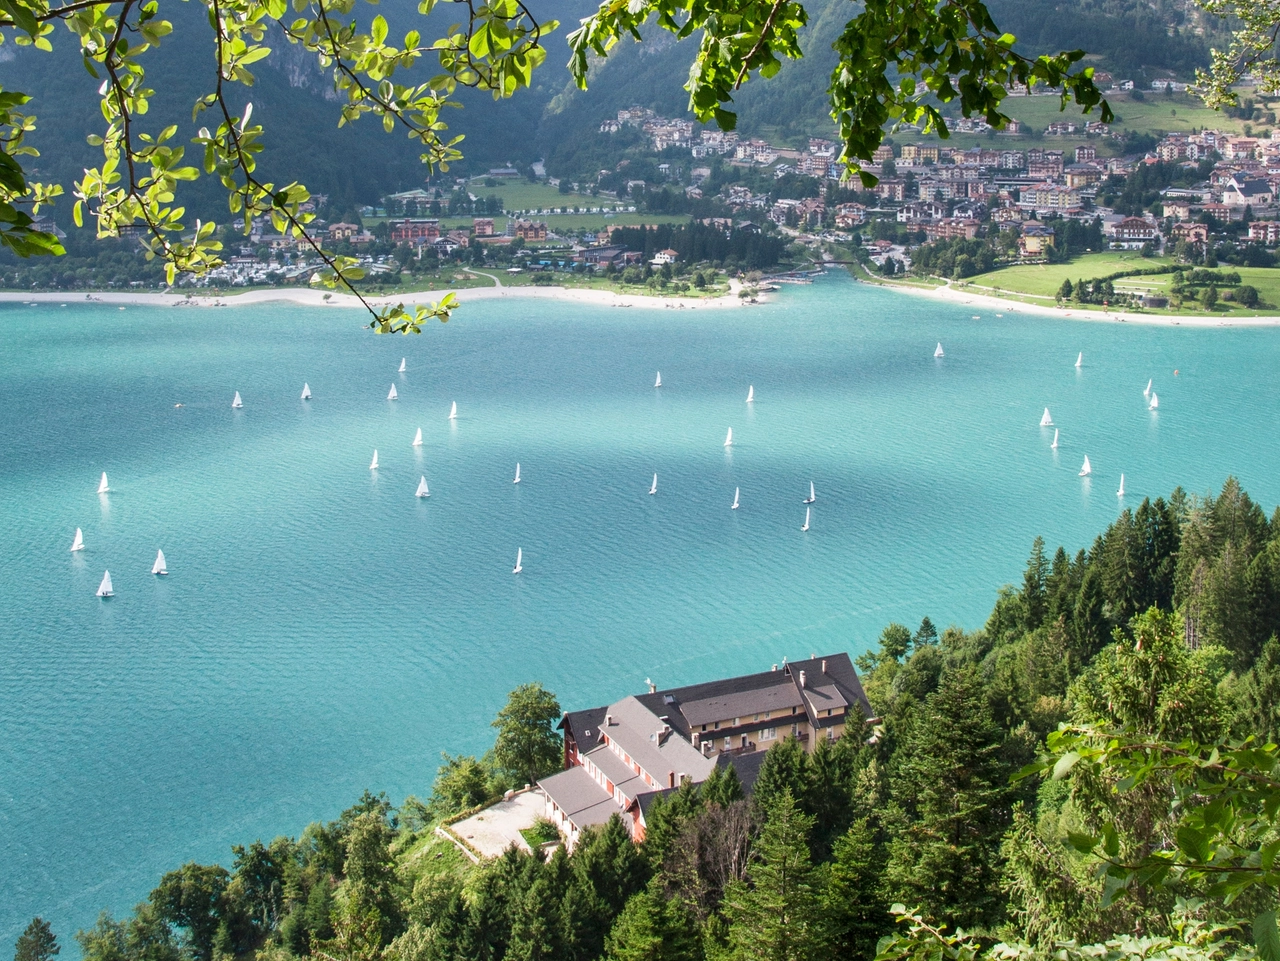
[[322, 630]]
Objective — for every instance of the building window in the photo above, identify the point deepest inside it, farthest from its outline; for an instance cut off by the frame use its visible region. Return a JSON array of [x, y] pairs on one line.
[[704, 728], [831, 734], [769, 734], [728, 743], [793, 730], [828, 712], [737, 721], [716, 726]]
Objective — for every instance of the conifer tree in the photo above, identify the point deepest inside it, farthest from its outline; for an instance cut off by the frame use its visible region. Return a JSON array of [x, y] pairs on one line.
[[776, 913], [785, 770], [856, 914], [722, 786], [950, 799], [653, 928], [37, 942]]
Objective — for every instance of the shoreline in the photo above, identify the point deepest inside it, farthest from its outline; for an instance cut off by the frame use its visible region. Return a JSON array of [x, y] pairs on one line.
[[952, 295], [310, 297]]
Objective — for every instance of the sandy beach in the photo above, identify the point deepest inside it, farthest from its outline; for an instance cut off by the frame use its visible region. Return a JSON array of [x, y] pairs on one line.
[[970, 298], [310, 297]]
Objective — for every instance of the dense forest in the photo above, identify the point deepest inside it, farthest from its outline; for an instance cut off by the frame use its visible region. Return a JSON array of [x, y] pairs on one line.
[[1162, 633]]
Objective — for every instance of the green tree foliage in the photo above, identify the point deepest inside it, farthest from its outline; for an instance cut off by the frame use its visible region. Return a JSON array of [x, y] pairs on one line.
[[653, 928], [775, 912], [37, 942], [192, 898], [950, 794], [461, 783], [528, 745]]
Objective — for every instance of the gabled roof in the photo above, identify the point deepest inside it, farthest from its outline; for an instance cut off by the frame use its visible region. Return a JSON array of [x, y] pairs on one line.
[[638, 730], [583, 801]]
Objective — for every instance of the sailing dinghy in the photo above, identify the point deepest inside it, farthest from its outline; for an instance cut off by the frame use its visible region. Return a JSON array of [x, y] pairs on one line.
[[236, 401], [159, 566], [102, 484], [735, 500], [1086, 470], [306, 391], [1046, 420], [77, 542], [105, 589], [422, 487]]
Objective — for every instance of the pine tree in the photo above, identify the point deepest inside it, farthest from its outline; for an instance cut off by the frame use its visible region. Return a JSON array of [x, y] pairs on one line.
[[37, 942], [653, 928], [1034, 601], [785, 770], [951, 801], [722, 786], [856, 914], [776, 913]]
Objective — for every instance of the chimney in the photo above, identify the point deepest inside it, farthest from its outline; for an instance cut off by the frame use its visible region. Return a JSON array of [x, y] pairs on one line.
[[696, 738], [653, 688], [671, 779], [802, 680], [824, 665], [608, 720], [775, 667]]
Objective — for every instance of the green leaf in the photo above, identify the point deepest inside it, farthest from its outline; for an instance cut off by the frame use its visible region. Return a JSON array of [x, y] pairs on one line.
[[1266, 936], [379, 29]]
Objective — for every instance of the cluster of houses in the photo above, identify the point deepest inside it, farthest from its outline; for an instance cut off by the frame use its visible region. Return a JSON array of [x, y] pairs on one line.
[[620, 757]]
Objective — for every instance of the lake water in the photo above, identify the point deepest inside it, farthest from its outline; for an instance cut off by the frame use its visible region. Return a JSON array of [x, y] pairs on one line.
[[323, 631]]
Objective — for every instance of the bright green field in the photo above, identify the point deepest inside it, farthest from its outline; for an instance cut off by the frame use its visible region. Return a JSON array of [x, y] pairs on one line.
[[1037, 283], [1044, 279]]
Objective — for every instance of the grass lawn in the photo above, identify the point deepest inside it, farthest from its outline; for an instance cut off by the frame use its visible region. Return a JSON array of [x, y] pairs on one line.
[[1045, 279]]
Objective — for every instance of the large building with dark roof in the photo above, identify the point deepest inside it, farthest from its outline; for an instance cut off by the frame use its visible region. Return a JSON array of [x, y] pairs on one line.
[[620, 756]]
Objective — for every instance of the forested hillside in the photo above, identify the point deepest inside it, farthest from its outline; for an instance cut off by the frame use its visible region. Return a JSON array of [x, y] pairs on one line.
[[1164, 629]]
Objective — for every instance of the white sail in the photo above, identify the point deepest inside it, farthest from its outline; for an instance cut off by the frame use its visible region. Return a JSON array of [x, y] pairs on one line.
[[728, 440], [236, 401], [806, 518], [1086, 470], [658, 382], [306, 391], [1080, 359], [453, 411], [1147, 392], [751, 394], [391, 394], [519, 558], [812, 496], [102, 484], [159, 566], [105, 589], [417, 438], [373, 465], [1046, 420], [654, 488], [517, 480], [735, 499], [422, 487], [77, 542], [938, 351], [1155, 401], [402, 365], [1054, 445], [1120, 492]]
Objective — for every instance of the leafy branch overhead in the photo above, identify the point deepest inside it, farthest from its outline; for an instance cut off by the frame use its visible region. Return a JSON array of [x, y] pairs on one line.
[[898, 60], [496, 49]]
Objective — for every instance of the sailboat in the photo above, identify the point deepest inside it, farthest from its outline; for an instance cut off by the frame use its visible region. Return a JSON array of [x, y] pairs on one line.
[[159, 566], [751, 394], [1086, 470], [373, 465], [1120, 492], [236, 401], [728, 440], [812, 496], [417, 438], [806, 519], [654, 488], [735, 499], [306, 391], [658, 382], [1054, 445], [77, 542], [391, 394], [453, 411], [1147, 392], [1046, 420], [105, 589], [1080, 359], [102, 484], [1155, 401], [519, 557], [422, 487], [402, 365], [517, 480], [938, 351]]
